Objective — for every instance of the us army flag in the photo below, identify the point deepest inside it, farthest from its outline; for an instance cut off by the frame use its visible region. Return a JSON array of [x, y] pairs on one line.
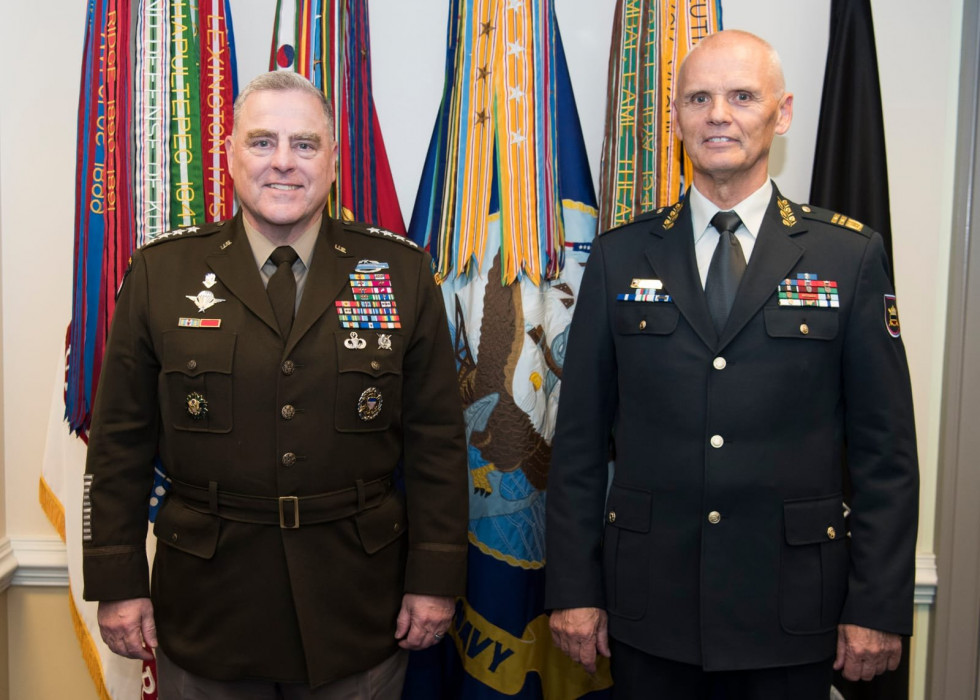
[[157, 87], [506, 207]]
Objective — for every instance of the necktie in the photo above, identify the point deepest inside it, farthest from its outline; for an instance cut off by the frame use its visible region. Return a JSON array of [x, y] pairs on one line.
[[282, 287], [725, 271]]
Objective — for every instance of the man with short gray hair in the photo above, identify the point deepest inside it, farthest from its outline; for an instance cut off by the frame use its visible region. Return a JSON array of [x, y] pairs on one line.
[[294, 375]]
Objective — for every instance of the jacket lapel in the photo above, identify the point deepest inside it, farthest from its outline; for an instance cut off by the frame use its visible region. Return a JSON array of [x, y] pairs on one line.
[[773, 257], [328, 275], [671, 255], [234, 264]]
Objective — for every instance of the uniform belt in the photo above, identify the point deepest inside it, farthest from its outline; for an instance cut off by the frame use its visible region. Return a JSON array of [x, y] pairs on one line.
[[285, 511]]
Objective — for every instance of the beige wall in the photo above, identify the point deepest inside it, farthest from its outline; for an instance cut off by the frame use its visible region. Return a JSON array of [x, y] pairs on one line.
[[918, 50], [43, 653], [4, 646]]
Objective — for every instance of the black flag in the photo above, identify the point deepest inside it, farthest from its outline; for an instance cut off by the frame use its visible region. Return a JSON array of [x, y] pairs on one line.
[[850, 173]]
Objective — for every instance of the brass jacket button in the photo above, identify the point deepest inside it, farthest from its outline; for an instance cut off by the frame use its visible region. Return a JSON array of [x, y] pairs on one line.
[[288, 459], [288, 412], [714, 517]]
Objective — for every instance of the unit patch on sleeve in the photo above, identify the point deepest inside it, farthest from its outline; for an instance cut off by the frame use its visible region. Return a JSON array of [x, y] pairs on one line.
[[892, 325]]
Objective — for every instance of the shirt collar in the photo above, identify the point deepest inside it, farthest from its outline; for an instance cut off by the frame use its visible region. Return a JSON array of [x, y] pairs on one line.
[[751, 210], [262, 247]]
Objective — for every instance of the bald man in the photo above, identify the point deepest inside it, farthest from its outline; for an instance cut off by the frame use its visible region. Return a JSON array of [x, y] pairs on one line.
[[730, 353]]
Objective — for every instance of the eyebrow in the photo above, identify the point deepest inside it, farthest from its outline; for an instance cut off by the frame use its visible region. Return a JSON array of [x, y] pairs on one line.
[[293, 138]]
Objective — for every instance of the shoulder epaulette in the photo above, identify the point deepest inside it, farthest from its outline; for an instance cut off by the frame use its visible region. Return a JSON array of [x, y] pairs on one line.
[[831, 217], [667, 214], [188, 232], [358, 227]]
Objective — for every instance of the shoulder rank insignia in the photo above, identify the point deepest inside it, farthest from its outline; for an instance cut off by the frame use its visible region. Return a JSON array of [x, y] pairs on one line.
[[375, 231], [835, 218], [203, 230], [891, 316]]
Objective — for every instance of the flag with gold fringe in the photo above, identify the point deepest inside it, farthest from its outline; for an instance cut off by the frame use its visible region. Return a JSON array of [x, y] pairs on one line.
[[157, 85], [643, 163], [506, 206], [328, 42]]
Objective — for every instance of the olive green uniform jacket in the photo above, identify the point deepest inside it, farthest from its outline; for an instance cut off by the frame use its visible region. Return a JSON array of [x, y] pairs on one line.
[[285, 546]]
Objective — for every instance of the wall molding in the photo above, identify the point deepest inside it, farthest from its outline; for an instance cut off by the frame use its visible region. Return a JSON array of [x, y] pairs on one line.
[[43, 561], [8, 564]]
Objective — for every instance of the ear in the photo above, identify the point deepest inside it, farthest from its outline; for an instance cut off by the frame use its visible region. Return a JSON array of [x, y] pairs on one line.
[[785, 113], [674, 121], [230, 154]]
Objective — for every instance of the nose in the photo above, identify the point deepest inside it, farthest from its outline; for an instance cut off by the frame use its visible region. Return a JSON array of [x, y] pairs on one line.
[[282, 157], [719, 112]]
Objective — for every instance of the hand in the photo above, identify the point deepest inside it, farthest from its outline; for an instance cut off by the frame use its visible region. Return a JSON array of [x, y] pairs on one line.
[[128, 627], [864, 653], [581, 633], [423, 620]]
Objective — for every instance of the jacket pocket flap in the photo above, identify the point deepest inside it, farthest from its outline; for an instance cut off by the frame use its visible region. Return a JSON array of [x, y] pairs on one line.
[[645, 318], [186, 529], [196, 352], [629, 508], [804, 323], [382, 525], [815, 520]]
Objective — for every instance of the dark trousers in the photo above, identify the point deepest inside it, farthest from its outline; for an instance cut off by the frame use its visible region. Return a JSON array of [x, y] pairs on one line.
[[640, 676], [383, 682]]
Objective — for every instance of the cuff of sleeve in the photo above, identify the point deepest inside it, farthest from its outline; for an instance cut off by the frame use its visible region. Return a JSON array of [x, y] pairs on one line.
[[436, 569], [117, 575]]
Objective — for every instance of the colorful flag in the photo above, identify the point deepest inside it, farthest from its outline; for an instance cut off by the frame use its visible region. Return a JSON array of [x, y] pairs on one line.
[[157, 85], [850, 170], [305, 40], [507, 209], [643, 162]]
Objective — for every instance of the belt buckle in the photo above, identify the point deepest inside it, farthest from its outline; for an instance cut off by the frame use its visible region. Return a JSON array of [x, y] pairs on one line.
[[294, 500]]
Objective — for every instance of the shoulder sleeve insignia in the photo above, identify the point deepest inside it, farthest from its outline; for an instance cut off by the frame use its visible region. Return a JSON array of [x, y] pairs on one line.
[[892, 325]]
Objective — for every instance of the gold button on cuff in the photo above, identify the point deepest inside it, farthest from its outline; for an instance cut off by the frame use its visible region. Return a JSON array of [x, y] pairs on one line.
[[192, 365], [288, 412], [375, 365], [612, 516], [289, 459], [717, 441], [719, 363], [643, 324], [714, 517], [831, 533], [804, 329]]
